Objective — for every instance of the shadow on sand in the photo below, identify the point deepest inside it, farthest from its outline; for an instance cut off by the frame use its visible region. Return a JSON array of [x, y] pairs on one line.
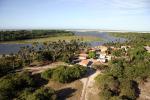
[[65, 93], [90, 71]]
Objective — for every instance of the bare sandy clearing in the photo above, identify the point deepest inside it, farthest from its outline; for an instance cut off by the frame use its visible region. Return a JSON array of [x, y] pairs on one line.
[[144, 91], [69, 91]]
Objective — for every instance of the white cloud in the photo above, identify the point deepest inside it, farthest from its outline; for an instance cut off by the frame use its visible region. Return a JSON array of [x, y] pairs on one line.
[[131, 4]]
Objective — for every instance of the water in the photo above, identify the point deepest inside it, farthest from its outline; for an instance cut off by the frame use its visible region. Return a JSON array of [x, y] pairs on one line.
[[104, 35], [14, 48], [11, 48]]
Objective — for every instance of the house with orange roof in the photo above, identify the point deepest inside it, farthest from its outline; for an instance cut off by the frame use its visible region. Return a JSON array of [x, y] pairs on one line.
[[85, 63]]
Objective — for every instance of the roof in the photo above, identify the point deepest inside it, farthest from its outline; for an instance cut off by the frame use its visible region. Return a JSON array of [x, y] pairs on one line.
[[84, 62], [83, 55]]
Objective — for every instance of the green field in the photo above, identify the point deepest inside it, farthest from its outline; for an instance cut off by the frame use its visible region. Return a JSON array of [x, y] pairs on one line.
[[66, 38]]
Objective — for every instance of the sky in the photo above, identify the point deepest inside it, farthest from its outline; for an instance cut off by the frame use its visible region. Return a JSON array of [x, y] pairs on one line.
[[75, 14]]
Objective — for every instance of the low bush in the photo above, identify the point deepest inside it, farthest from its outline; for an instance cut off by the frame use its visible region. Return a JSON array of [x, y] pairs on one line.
[[64, 74]]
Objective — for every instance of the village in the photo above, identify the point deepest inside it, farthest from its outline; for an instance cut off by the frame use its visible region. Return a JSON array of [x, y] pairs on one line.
[[99, 55], [96, 55]]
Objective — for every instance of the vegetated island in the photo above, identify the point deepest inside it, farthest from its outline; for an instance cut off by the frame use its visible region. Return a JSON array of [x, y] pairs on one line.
[[31, 36], [65, 70]]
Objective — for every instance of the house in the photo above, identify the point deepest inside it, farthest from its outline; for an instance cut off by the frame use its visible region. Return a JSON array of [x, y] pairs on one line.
[[147, 48], [102, 55], [85, 63], [102, 60], [83, 56]]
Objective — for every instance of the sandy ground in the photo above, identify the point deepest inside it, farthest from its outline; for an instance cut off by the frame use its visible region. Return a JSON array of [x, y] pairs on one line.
[[69, 91], [90, 91], [144, 91], [40, 69]]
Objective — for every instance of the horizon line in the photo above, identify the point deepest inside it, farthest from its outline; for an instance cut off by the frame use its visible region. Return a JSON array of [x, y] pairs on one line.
[[74, 29]]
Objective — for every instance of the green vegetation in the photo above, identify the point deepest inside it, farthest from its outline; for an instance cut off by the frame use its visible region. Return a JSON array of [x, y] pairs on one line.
[[118, 53], [92, 54], [100, 67], [47, 51], [127, 70], [22, 86], [41, 94], [8, 64], [55, 39], [134, 39], [31, 34], [64, 74]]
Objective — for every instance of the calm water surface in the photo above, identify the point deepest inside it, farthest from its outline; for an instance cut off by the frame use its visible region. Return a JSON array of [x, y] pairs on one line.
[[14, 48]]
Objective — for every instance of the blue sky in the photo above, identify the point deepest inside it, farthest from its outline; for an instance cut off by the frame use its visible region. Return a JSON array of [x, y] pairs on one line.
[[75, 14]]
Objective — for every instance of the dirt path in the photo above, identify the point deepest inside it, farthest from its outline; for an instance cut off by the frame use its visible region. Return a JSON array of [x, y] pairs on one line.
[[88, 85], [144, 91], [40, 69]]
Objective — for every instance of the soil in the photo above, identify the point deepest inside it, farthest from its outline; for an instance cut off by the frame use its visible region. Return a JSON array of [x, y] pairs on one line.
[[69, 91]]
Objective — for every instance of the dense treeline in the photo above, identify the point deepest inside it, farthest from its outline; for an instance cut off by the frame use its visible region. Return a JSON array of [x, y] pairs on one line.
[[129, 69], [65, 74], [31, 34]]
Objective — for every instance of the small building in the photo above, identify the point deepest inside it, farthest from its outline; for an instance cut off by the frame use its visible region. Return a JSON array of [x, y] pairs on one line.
[[85, 63], [147, 48], [102, 55], [102, 60]]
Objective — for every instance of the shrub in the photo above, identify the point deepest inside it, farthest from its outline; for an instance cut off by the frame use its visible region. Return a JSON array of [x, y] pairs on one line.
[[64, 74], [47, 74], [105, 94], [92, 54], [127, 90], [100, 67], [42, 94], [116, 98], [11, 84]]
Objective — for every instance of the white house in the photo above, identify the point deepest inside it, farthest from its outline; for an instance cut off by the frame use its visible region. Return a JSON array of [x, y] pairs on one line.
[[102, 55], [102, 60]]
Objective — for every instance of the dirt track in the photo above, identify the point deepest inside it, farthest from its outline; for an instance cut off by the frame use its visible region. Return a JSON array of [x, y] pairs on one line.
[[88, 85]]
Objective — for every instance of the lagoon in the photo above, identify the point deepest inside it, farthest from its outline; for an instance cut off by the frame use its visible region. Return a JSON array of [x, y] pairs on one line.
[[14, 48]]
